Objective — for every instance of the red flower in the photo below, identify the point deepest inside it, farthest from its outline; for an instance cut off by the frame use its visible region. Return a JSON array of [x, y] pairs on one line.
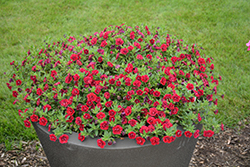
[[208, 133], [118, 41], [52, 137], [112, 81], [199, 117], [109, 103], [100, 115], [140, 140], [78, 121], [104, 125], [118, 83], [210, 97], [137, 83], [64, 102], [188, 134], [212, 66], [86, 116], [124, 51], [81, 128], [93, 41], [39, 91], [47, 106], [68, 79], [153, 111], [145, 78], [112, 113], [86, 51], [139, 57], [132, 122], [155, 140], [107, 95], [156, 93], [34, 118], [178, 133], [14, 94], [81, 137], [100, 59], [196, 133], [168, 139], [104, 43], [201, 61], [222, 126], [143, 129], [101, 143], [18, 82], [176, 98], [152, 41], [87, 80], [190, 86], [163, 81], [132, 135], [202, 69], [117, 130], [27, 123], [43, 121], [128, 111], [70, 111], [164, 47], [70, 118], [63, 139], [149, 56], [110, 64], [74, 57], [130, 48], [139, 92], [91, 97], [84, 108]]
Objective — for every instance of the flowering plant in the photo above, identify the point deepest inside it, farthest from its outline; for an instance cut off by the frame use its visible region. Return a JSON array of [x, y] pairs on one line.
[[121, 82]]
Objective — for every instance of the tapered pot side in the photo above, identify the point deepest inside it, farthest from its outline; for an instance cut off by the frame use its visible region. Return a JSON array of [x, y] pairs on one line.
[[125, 152]]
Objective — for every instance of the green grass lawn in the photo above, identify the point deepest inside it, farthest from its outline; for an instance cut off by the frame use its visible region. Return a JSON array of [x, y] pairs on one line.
[[222, 27]]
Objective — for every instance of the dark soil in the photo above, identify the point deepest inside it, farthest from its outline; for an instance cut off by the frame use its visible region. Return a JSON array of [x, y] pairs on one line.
[[231, 148]]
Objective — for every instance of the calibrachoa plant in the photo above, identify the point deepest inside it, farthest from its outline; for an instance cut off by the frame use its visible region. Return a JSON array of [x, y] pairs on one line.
[[120, 82]]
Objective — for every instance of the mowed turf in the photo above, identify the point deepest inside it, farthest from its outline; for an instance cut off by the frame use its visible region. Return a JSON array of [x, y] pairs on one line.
[[222, 27]]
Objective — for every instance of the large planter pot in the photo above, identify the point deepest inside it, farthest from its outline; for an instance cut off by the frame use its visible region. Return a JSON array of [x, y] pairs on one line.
[[124, 153]]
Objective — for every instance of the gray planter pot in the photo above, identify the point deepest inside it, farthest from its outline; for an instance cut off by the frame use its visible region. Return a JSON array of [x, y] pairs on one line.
[[124, 153]]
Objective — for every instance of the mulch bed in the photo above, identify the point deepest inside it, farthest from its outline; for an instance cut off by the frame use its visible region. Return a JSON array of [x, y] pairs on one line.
[[231, 148]]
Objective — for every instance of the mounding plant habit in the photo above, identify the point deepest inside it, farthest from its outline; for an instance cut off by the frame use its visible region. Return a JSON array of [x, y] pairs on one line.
[[120, 82]]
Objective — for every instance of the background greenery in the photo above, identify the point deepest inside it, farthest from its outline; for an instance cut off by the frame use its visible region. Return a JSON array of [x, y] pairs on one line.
[[222, 27]]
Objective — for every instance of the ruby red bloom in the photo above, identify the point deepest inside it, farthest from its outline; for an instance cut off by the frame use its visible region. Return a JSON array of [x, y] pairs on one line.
[[153, 111], [145, 78], [104, 125], [99, 59], [152, 41], [155, 140], [139, 92], [163, 81], [140, 140], [117, 130], [101, 143], [91, 97], [107, 95], [52, 137], [18, 82], [63, 139], [47, 106], [176, 98], [119, 41], [124, 51], [109, 103], [190, 86], [104, 43], [144, 129], [112, 81], [27, 123], [188, 134], [132, 122], [43, 121], [164, 47], [156, 93], [86, 116], [64, 102], [70, 111], [14, 93], [39, 91], [149, 56], [86, 51], [75, 92], [81, 137], [100, 115], [84, 108], [178, 133], [74, 57], [34, 118], [208, 133], [78, 121], [112, 113], [68, 79], [168, 139], [110, 64], [196, 133], [132, 135], [199, 117]]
